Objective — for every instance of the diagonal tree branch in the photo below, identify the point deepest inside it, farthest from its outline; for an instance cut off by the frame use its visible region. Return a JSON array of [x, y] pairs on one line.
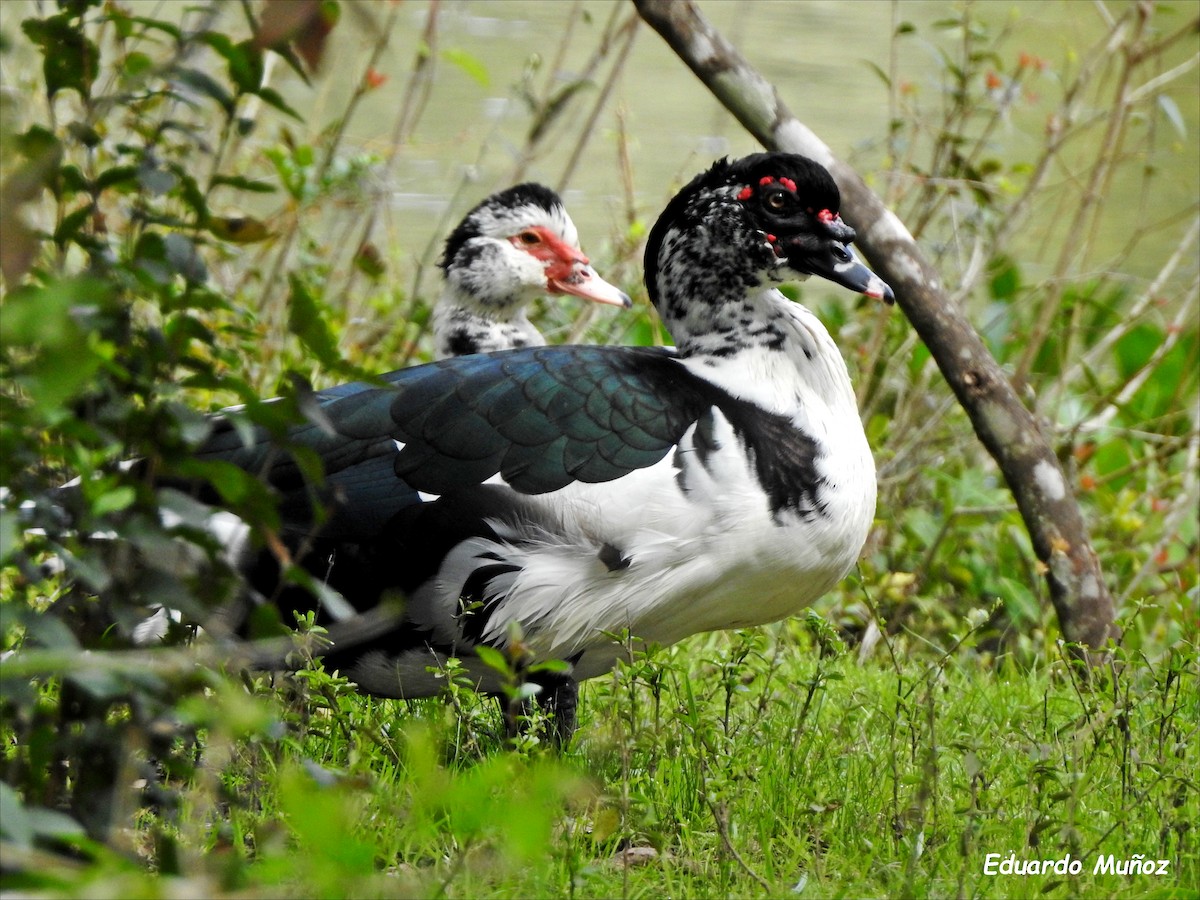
[[1007, 429]]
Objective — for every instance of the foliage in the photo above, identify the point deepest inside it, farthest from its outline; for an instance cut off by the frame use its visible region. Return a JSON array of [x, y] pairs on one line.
[[172, 246], [115, 330], [1014, 170]]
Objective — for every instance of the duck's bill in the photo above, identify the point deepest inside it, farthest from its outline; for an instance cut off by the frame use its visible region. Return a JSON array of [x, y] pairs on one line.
[[839, 265], [584, 282]]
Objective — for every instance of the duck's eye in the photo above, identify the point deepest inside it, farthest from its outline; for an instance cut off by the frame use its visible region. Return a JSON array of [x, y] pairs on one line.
[[529, 237], [777, 199]]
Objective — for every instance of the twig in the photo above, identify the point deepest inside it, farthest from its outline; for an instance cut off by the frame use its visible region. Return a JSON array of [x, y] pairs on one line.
[[564, 45], [542, 107], [1109, 149], [628, 30], [721, 817], [1101, 348], [1184, 506], [1134, 384], [416, 96]]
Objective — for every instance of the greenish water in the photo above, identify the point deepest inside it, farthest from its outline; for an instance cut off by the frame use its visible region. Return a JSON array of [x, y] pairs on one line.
[[818, 53]]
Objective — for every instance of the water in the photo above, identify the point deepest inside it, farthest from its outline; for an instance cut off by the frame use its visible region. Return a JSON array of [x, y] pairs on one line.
[[818, 53], [815, 52]]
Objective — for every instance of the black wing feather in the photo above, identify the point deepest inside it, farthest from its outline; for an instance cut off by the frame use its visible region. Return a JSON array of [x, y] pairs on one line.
[[541, 417]]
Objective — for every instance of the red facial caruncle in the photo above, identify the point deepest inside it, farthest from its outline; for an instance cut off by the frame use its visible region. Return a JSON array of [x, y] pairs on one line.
[[747, 192], [567, 269], [543, 244]]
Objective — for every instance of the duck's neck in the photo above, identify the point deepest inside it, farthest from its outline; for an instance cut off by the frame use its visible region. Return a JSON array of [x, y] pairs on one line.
[[771, 350], [713, 291], [462, 326], [738, 320]]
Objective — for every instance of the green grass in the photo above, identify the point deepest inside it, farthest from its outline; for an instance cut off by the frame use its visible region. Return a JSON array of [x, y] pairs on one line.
[[770, 762]]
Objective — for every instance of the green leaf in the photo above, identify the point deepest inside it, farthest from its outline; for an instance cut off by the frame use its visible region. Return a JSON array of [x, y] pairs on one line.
[[306, 320], [238, 229], [919, 358], [42, 315], [135, 65], [1173, 377], [243, 59], [1135, 348], [242, 183], [551, 665], [148, 24], [370, 262], [469, 64], [556, 105], [71, 180], [117, 175], [38, 143], [70, 60], [72, 223], [882, 75], [1111, 457], [114, 501], [85, 134], [324, 822], [1020, 600], [238, 488], [77, 8], [204, 84], [272, 97], [190, 192], [1005, 278], [58, 374], [493, 659]]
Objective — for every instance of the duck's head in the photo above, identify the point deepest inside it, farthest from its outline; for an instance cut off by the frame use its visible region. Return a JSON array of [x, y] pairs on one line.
[[516, 245], [766, 217]]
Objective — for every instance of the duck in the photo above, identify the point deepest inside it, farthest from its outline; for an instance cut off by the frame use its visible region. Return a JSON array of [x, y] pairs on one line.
[[544, 501], [514, 246]]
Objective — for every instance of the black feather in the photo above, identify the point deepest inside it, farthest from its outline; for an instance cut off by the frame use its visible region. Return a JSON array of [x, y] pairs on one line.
[[684, 213]]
